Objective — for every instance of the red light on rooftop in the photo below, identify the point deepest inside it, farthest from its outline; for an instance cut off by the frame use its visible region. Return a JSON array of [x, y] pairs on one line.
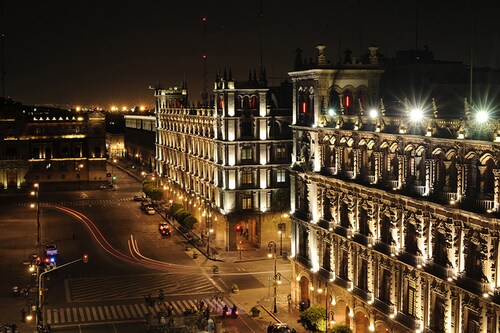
[[204, 19]]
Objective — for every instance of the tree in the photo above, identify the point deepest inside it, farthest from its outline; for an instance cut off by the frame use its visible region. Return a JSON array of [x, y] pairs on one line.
[[340, 328], [280, 200], [156, 193], [313, 319], [189, 222]]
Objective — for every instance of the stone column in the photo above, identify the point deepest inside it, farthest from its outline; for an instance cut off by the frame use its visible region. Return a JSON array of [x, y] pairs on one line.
[[482, 171], [460, 181], [496, 189], [338, 158], [401, 171], [378, 171]]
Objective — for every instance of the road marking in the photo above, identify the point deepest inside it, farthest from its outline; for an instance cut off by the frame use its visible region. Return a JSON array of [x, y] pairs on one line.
[[61, 314], [113, 311], [101, 314], [94, 313]]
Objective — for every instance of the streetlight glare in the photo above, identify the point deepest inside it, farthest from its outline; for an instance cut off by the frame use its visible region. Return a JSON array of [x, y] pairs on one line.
[[32, 205], [331, 112], [373, 113]]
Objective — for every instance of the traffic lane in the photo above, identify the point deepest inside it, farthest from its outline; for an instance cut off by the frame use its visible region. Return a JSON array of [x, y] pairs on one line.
[[122, 327]]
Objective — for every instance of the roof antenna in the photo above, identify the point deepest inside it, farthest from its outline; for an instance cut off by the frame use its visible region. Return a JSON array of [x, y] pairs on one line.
[[261, 37], [471, 69], [204, 94], [416, 25], [2, 46]]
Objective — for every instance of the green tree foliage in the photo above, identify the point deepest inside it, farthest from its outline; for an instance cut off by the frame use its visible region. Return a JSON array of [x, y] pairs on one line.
[[175, 207], [313, 319], [156, 194], [340, 328], [189, 222], [280, 200]]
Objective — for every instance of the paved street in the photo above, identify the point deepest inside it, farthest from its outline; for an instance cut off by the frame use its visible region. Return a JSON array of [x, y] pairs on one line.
[[128, 260]]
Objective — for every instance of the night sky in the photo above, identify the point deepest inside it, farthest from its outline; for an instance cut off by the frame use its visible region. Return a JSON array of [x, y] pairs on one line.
[[108, 52]]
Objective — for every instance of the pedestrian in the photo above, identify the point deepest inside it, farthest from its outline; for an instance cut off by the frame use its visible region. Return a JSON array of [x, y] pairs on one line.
[[160, 295], [13, 327], [293, 330], [202, 305], [6, 328], [169, 310], [207, 313], [23, 315], [308, 303]]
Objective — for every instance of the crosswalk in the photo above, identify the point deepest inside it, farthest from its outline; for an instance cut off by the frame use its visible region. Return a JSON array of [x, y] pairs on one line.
[[126, 312], [136, 286]]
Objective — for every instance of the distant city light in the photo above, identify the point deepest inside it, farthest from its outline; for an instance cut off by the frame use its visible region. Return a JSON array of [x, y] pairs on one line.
[[78, 108], [113, 108], [142, 108], [124, 108]]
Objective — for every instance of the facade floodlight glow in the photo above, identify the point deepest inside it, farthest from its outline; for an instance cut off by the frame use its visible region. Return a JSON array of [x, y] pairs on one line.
[[482, 116], [373, 113], [416, 114], [331, 112]]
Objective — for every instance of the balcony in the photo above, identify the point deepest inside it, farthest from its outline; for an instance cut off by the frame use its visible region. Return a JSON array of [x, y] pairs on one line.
[[487, 205]]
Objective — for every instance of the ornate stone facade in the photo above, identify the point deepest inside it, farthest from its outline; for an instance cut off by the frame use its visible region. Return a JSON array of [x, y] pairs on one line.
[[394, 224], [229, 160]]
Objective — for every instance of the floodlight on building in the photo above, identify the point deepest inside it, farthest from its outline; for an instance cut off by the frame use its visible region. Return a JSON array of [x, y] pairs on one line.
[[373, 113], [416, 114], [331, 112], [482, 116]]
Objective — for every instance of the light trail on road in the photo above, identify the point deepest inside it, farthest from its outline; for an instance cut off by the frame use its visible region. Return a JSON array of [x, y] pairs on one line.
[[135, 256]]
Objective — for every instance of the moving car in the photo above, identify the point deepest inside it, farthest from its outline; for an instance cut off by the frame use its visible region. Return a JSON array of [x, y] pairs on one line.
[[164, 229], [150, 210], [50, 250]]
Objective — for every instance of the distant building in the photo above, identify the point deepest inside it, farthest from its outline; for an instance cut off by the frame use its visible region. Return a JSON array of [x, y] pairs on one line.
[[139, 140], [228, 161], [395, 211], [52, 146]]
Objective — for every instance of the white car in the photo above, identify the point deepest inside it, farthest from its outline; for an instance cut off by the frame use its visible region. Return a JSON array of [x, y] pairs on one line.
[[51, 250], [139, 198], [150, 210]]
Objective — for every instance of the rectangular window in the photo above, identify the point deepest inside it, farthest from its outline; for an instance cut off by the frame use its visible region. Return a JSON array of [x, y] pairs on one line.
[[246, 177], [280, 152], [281, 176], [246, 153], [343, 264], [246, 203], [410, 299]]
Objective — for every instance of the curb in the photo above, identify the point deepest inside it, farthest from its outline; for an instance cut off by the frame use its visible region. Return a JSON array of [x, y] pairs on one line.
[[270, 313]]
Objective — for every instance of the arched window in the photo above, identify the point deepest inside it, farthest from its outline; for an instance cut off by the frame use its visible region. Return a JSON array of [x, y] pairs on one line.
[[246, 102], [334, 101], [253, 102], [411, 239], [348, 102]]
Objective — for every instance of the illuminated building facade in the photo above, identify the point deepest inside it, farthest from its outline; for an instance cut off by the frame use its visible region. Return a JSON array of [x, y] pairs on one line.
[[55, 146], [229, 160], [140, 133], [394, 214]]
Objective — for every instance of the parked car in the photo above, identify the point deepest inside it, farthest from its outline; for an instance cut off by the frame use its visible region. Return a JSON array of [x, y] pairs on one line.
[[150, 210], [164, 229], [139, 197], [50, 250]]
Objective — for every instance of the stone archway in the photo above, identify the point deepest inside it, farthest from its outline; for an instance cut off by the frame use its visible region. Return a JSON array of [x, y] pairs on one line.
[[381, 327], [361, 322], [341, 311], [304, 289]]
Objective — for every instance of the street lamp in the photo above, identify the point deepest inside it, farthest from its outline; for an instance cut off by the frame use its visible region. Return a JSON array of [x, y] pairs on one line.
[[35, 193], [272, 253], [281, 230], [208, 241], [79, 168], [84, 258]]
